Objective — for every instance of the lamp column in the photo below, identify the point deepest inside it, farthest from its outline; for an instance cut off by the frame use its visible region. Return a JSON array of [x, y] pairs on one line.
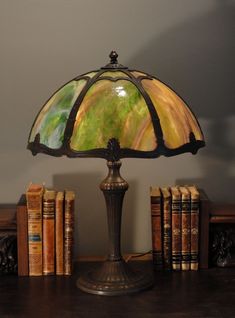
[[114, 188], [115, 276]]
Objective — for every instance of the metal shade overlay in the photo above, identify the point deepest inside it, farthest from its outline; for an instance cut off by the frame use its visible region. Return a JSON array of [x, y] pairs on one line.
[[115, 113]]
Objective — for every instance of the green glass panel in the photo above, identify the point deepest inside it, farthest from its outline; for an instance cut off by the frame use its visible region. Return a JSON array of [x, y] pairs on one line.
[[52, 119], [113, 110], [176, 119], [114, 74]]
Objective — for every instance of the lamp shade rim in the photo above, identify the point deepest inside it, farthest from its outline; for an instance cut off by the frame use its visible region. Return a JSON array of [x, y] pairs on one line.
[[191, 147]]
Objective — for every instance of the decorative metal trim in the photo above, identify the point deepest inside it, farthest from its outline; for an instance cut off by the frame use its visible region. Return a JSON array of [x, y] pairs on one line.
[[222, 245], [124, 152], [86, 78], [8, 254], [113, 150], [114, 62]]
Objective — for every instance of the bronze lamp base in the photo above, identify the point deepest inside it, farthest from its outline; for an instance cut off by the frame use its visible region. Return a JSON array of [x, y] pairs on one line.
[[115, 276]]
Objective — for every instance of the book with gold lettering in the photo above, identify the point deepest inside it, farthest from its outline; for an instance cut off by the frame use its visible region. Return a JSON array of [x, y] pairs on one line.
[[195, 203], [156, 221], [176, 228], [166, 206], [49, 232], [59, 233], [34, 195], [185, 228], [68, 231]]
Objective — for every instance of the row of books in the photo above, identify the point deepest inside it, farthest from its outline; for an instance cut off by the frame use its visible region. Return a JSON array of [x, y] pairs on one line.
[[175, 227], [45, 228]]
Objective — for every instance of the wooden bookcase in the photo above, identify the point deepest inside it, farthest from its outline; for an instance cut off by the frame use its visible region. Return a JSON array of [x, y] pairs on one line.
[[7, 219], [213, 214], [8, 242], [222, 235]]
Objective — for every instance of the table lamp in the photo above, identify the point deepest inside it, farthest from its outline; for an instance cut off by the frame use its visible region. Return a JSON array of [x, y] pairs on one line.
[[115, 113]]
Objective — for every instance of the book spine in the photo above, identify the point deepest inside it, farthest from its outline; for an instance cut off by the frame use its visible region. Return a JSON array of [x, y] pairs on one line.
[[156, 231], [68, 235], [176, 232], [48, 237], [22, 237], [167, 232], [194, 233], [34, 206], [59, 234], [186, 229]]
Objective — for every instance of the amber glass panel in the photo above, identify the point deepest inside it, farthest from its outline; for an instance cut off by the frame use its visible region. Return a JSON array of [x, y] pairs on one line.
[[113, 110], [114, 74], [90, 74], [137, 73], [52, 119], [176, 119]]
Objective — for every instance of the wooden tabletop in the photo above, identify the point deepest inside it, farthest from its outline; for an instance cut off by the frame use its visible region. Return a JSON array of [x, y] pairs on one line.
[[207, 293]]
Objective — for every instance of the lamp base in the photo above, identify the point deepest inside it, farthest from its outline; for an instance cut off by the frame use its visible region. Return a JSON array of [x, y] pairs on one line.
[[114, 278]]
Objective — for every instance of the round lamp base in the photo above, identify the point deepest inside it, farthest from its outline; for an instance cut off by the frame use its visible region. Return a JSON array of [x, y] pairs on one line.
[[114, 278]]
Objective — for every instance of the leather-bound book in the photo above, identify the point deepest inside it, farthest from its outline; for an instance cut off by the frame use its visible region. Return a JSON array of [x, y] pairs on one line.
[[155, 201], [176, 228], [68, 231], [22, 237], [34, 195], [59, 233], [49, 232], [185, 228], [166, 204], [195, 202]]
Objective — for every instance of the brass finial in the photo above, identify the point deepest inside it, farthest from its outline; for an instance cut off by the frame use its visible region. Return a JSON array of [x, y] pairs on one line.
[[113, 64], [113, 57]]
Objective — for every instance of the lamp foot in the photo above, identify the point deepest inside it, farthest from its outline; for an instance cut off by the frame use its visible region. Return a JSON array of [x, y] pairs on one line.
[[114, 278]]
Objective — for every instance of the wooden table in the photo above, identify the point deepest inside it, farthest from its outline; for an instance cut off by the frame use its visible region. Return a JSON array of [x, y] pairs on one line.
[[206, 293]]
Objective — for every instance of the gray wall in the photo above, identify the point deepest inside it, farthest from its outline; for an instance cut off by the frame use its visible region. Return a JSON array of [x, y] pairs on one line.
[[186, 43]]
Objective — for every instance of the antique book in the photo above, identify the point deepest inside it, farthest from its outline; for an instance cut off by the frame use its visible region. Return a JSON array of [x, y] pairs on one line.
[[166, 206], [155, 202], [195, 201], [176, 227], [185, 228], [22, 237], [49, 232], [68, 231], [59, 233], [34, 196]]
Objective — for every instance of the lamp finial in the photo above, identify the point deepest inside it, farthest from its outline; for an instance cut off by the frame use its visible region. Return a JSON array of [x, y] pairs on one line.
[[113, 57], [113, 64]]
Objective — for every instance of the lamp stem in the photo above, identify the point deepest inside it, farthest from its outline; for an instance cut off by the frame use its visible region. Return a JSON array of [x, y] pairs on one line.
[[114, 276], [114, 188]]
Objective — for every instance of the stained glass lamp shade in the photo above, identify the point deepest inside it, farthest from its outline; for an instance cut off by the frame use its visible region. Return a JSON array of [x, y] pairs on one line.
[[113, 113]]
